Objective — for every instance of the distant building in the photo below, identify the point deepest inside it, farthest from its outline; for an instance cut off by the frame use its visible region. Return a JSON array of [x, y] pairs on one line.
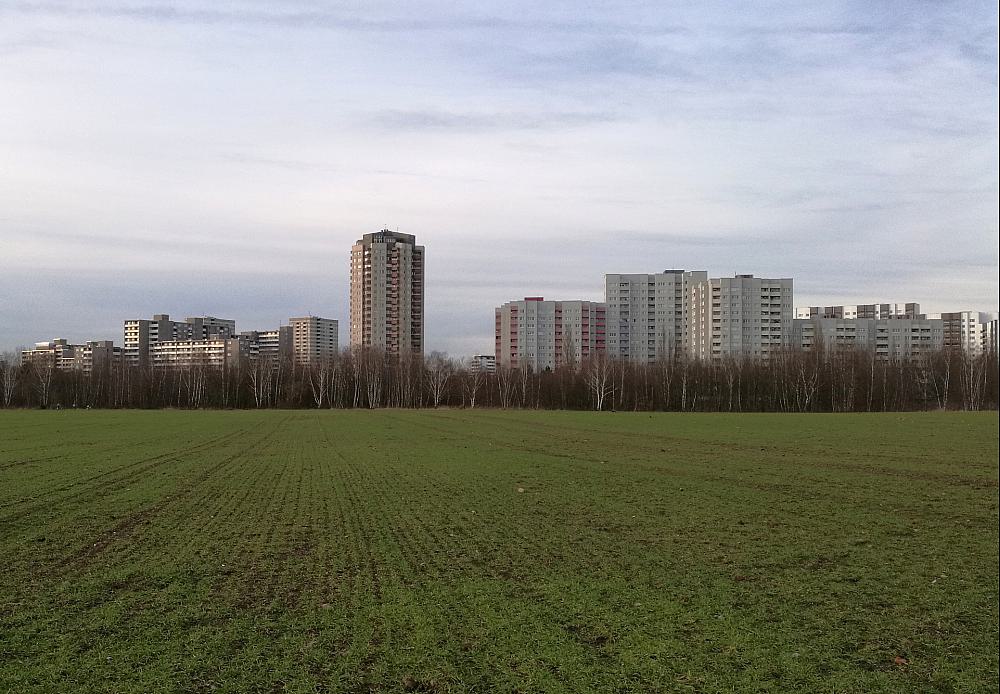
[[546, 335], [141, 334], [95, 354], [741, 316], [647, 314], [679, 312], [872, 311], [485, 363], [387, 293], [273, 345], [990, 325], [888, 339], [213, 352], [970, 331], [313, 338]]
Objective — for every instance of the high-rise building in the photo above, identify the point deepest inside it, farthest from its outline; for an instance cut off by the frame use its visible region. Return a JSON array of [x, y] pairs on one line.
[[141, 334], [544, 335], [742, 316], [657, 316], [647, 313], [387, 293], [314, 338]]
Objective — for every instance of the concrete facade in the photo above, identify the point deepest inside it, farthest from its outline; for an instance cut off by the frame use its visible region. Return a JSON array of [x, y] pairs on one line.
[[387, 293], [314, 339], [889, 339], [970, 331], [739, 317], [647, 314], [872, 311], [272, 345], [546, 335], [91, 355], [142, 334], [484, 363], [214, 353]]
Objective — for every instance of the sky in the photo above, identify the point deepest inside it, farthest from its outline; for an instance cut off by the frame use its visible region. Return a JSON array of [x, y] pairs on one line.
[[220, 158]]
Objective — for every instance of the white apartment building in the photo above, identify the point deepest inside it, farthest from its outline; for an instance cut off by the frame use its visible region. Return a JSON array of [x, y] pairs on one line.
[[485, 363], [971, 331], [314, 338], [873, 311], [739, 317], [647, 313], [990, 325], [889, 339], [545, 335], [213, 352], [94, 354], [142, 334]]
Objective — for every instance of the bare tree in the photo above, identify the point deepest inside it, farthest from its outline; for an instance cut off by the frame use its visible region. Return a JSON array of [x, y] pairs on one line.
[[439, 370], [473, 378], [10, 373], [44, 371], [505, 385], [598, 373], [318, 375]]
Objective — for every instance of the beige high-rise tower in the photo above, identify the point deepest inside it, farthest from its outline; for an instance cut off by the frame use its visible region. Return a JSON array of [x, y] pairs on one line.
[[387, 293]]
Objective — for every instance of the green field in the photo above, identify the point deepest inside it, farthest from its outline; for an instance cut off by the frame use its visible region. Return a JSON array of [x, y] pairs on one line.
[[487, 551]]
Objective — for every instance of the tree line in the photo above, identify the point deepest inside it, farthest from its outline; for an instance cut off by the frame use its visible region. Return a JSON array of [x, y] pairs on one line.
[[843, 380]]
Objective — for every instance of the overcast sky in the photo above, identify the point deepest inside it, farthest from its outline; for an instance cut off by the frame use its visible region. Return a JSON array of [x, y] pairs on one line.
[[220, 158]]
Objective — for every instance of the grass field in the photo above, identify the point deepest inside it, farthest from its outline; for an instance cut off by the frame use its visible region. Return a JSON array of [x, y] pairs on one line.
[[497, 551]]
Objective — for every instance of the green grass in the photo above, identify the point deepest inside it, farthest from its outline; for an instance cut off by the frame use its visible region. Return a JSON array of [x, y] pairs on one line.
[[487, 551]]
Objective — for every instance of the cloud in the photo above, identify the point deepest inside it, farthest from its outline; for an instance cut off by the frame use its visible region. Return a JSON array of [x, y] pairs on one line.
[[431, 120], [193, 156]]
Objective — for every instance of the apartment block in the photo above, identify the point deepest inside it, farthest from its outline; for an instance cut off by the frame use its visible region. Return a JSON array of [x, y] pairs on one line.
[[990, 325], [142, 334], [313, 338], [739, 317], [889, 339], [216, 352], [58, 352], [387, 293], [970, 331], [483, 363], [868, 311], [546, 335], [91, 355], [272, 345], [647, 314]]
